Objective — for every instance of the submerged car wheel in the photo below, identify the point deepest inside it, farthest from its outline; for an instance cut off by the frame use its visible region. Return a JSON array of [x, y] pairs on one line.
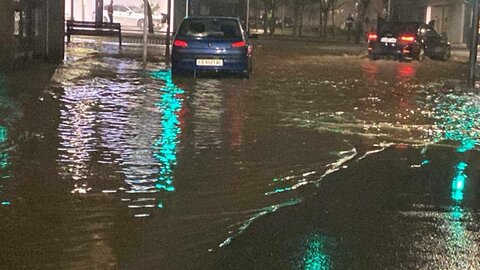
[[372, 57], [174, 70], [421, 54]]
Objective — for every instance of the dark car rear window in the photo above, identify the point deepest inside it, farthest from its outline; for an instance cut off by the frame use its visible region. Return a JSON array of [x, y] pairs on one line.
[[399, 28], [210, 27]]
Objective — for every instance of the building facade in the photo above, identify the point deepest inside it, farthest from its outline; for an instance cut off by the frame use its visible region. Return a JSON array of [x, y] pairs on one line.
[[31, 29], [234, 8], [451, 16]]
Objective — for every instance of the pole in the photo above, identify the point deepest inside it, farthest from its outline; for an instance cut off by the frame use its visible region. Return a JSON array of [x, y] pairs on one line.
[[47, 29], [98, 11], [145, 30], [247, 19], [71, 10], [167, 38], [389, 9], [83, 10], [187, 5], [473, 45]]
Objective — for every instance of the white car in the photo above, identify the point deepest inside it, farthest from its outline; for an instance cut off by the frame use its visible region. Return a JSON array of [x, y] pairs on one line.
[[131, 16]]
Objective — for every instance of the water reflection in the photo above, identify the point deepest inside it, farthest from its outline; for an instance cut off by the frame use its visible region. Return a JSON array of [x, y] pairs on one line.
[[78, 134], [235, 103], [209, 109], [315, 256], [4, 164], [405, 71], [458, 183], [4, 151], [457, 120], [170, 105], [370, 71], [119, 134]]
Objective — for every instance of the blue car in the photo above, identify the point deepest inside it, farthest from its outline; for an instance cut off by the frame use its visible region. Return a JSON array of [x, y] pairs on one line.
[[215, 44]]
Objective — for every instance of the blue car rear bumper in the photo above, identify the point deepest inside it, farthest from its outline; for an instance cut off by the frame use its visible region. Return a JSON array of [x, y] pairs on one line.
[[235, 62]]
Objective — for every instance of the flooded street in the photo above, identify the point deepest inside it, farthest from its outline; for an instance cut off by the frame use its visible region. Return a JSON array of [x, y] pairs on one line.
[[323, 159]]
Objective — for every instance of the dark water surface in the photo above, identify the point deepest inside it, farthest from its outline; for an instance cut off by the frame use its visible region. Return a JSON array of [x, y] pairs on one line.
[[106, 164]]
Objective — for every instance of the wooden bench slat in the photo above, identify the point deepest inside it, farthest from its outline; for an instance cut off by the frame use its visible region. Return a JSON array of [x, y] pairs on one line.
[[84, 32], [94, 29]]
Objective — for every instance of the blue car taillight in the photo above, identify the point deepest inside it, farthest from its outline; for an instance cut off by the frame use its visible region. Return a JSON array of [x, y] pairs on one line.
[[180, 43], [239, 44]]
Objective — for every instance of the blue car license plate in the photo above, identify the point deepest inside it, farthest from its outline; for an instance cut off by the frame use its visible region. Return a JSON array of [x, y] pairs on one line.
[[210, 62]]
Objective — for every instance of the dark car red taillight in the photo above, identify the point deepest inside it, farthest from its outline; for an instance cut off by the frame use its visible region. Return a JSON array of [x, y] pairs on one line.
[[407, 38], [239, 44], [180, 43], [372, 36]]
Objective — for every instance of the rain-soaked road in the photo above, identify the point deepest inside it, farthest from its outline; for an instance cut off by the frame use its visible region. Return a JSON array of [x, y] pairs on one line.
[[322, 160]]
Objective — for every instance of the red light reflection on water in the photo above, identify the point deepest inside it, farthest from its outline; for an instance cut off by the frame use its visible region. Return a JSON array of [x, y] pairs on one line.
[[236, 117], [405, 71]]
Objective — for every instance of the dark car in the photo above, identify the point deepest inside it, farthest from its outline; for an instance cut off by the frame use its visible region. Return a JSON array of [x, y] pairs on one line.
[[408, 41], [216, 44]]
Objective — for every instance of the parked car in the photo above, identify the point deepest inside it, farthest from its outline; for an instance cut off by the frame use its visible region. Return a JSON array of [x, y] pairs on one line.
[[210, 43], [131, 16], [408, 41]]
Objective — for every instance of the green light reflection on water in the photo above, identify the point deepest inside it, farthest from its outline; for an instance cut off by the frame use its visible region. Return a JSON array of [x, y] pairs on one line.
[[458, 183], [458, 119], [3, 149], [4, 155], [4, 161], [315, 256], [166, 145]]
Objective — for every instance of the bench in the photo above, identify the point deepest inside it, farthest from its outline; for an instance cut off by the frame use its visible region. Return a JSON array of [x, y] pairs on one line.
[[94, 29]]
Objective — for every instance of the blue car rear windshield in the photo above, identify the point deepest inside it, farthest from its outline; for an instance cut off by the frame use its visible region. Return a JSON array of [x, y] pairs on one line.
[[210, 27]]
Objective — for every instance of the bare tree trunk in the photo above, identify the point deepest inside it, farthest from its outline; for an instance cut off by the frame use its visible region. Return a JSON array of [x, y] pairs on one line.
[[362, 12], [333, 22], [273, 21], [150, 18], [300, 32], [265, 22], [320, 25], [325, 24], [295, 20]]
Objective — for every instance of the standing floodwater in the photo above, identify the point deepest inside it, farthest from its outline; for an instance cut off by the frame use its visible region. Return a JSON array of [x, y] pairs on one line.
[[107, 164]]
